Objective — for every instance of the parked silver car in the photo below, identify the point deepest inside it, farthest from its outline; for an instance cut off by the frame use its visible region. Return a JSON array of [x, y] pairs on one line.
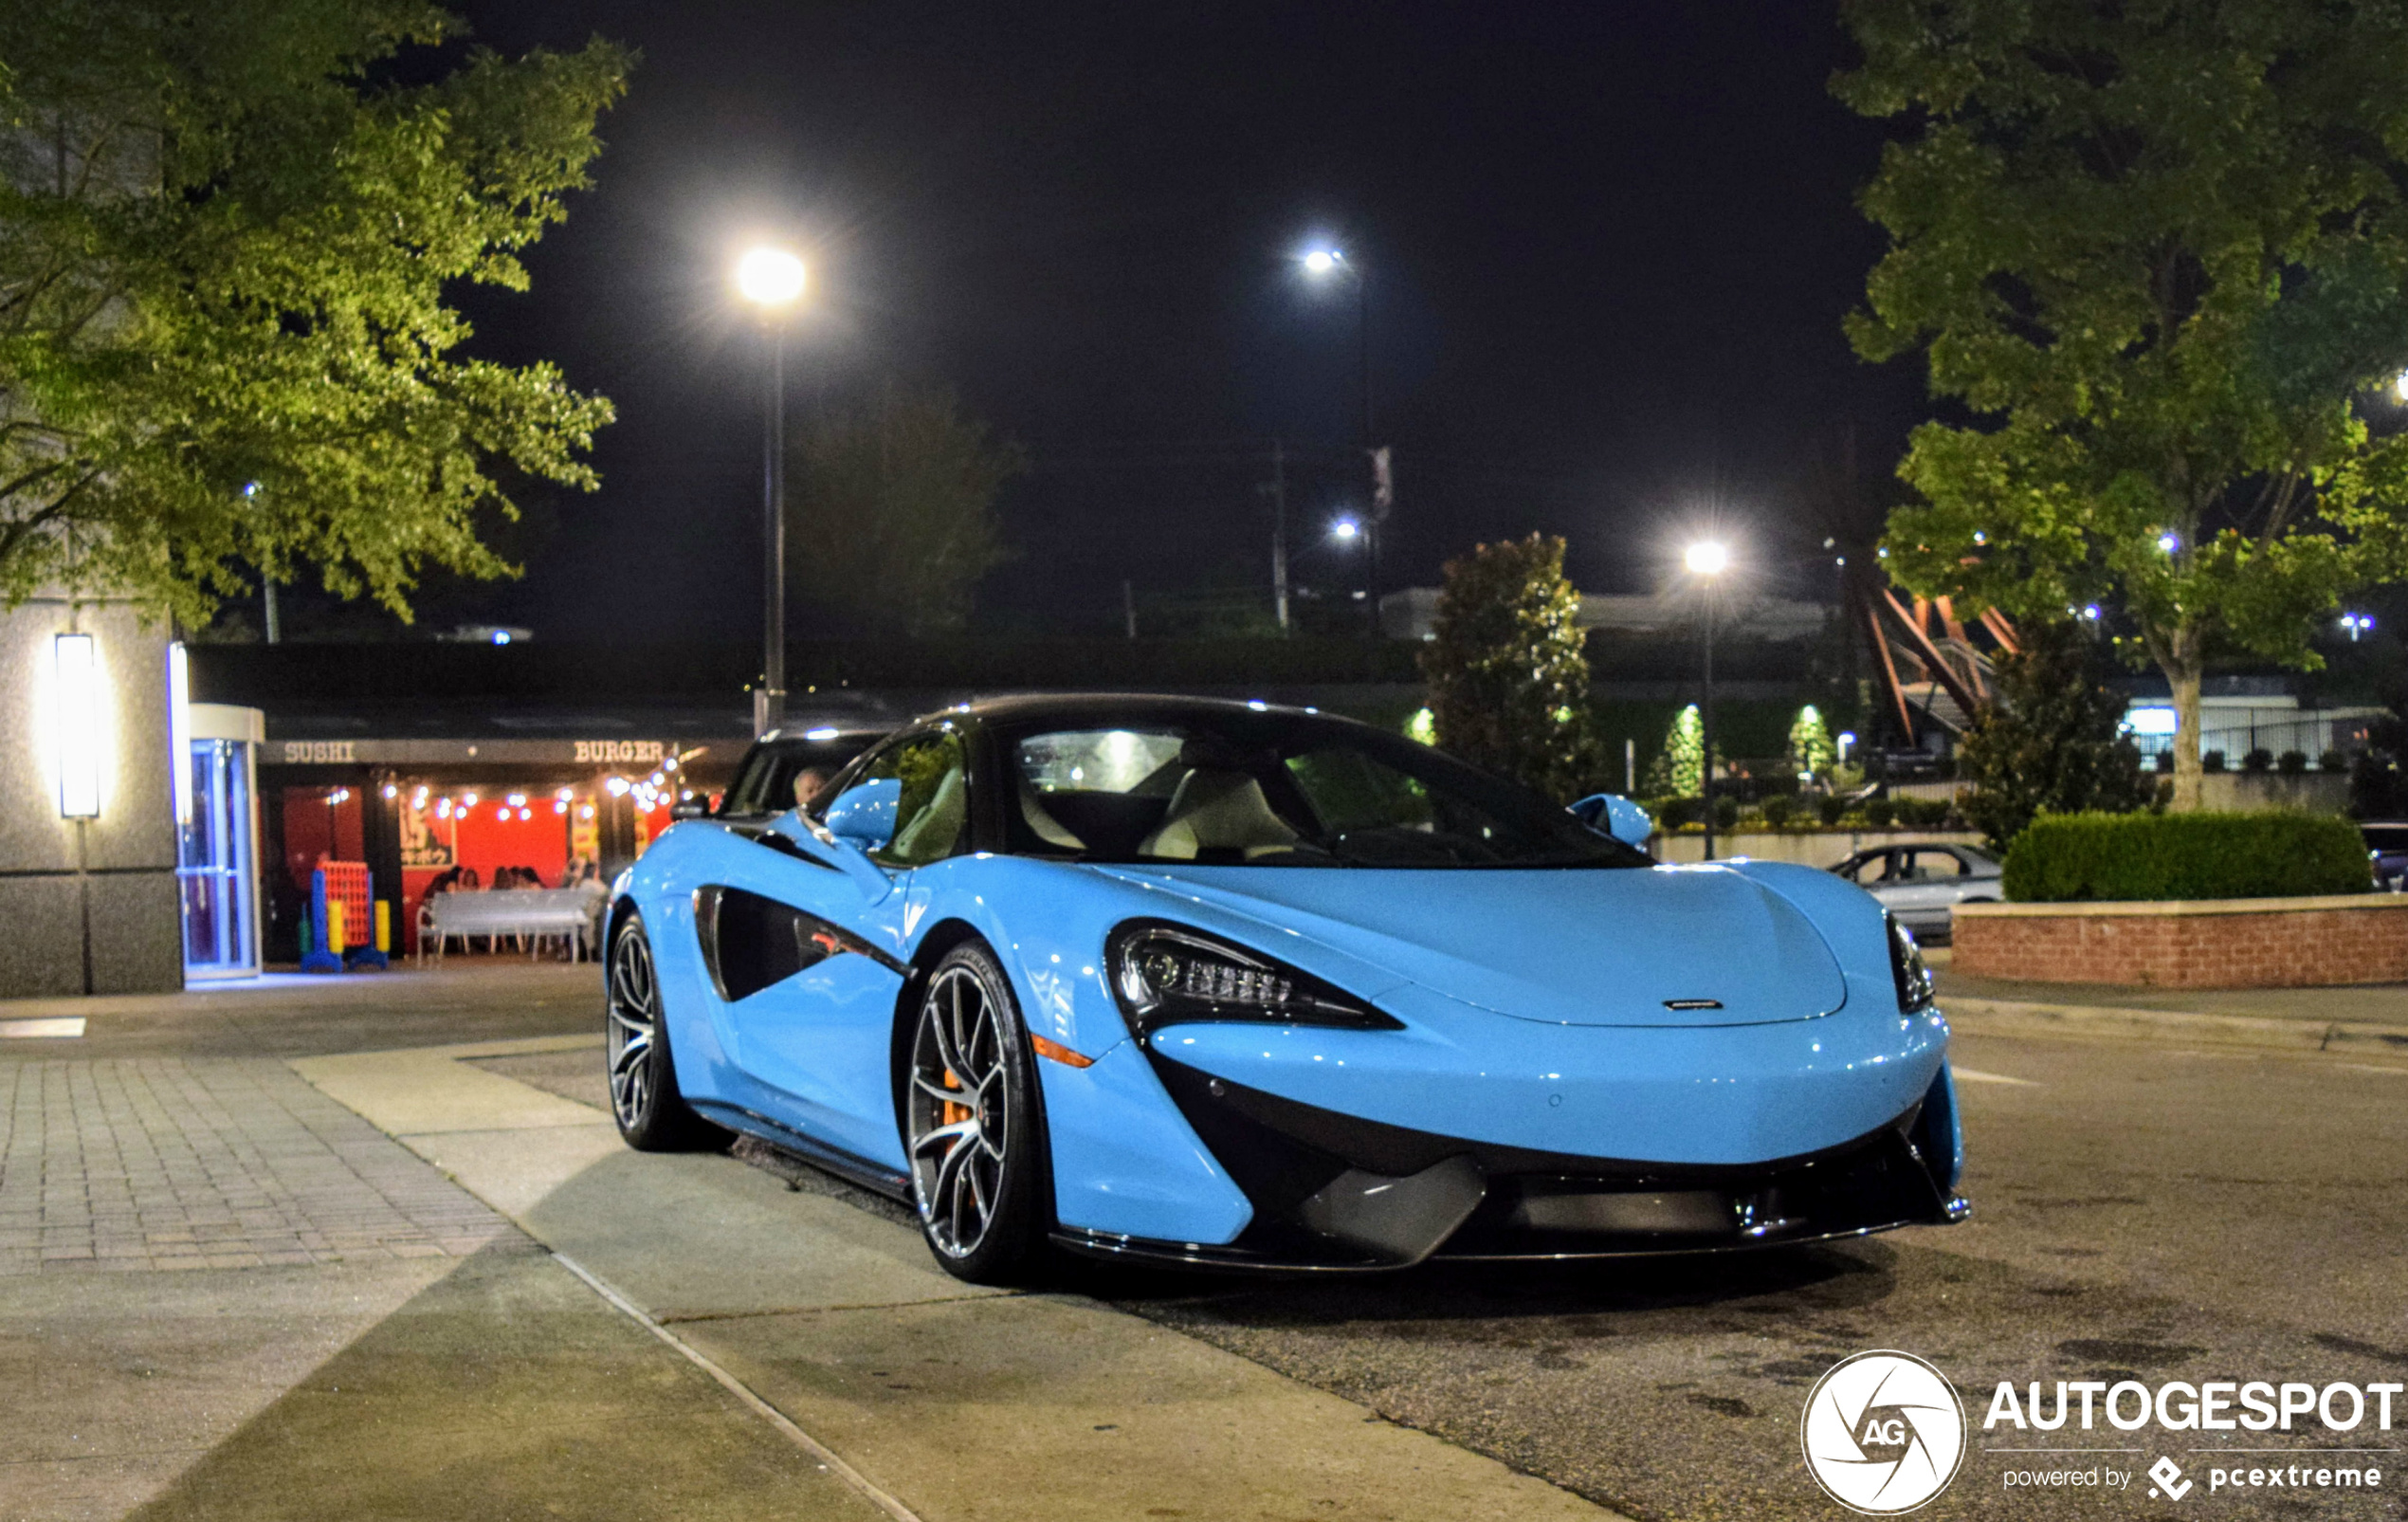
[[1921, 882]]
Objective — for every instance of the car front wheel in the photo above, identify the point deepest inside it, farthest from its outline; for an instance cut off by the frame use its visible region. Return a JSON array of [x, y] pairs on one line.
[[653, 1116], [972, 1124]]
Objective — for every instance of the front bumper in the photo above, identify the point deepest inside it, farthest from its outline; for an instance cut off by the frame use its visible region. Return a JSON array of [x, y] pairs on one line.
[[1334, 1192]]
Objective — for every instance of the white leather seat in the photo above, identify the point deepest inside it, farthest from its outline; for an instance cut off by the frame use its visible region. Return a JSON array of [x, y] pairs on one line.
[[1217, 811]]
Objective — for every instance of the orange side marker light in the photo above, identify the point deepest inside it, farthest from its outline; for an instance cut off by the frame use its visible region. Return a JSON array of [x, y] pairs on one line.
[[1056, 1052]]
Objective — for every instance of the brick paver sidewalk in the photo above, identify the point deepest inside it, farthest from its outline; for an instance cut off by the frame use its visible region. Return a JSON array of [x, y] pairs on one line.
[[155, 1163]]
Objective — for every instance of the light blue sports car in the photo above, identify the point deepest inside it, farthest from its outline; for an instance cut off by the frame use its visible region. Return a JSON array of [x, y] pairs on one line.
[[1229, 984]]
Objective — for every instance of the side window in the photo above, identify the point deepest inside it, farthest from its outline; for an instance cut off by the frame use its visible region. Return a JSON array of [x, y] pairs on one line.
[[1865, 870], [743, 795], [1928, 866], [933, 811]]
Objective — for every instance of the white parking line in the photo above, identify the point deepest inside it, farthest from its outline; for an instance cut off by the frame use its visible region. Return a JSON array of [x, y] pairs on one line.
[[70, 1026], [1977, 1076]]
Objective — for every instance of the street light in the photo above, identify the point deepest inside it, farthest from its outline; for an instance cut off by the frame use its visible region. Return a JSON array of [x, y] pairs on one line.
[[1345, 528], [1323, 264], [772, 280], [2357, 623], [1706, 559]]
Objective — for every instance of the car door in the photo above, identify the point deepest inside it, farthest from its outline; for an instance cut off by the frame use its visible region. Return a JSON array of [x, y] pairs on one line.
[[1925, 882], [821, 1036]]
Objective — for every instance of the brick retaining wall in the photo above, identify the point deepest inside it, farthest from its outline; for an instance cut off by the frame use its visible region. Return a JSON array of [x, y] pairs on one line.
[[2242, 942]]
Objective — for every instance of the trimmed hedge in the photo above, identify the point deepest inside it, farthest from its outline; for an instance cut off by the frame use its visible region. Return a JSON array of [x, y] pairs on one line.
[[2061, 857]]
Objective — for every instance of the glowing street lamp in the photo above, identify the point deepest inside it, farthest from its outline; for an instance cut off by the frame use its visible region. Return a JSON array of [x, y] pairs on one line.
[[1707, 558], [772, 280], [769, 278], [2357, 623], [1345, 529], [1323, 264]]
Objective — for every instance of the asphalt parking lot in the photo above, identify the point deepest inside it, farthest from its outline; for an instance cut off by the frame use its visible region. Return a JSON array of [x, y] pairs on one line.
[[334, 1322]]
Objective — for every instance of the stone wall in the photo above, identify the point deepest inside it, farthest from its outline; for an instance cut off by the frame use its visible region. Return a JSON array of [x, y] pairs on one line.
[[1810, 847], [2241, 942], [89, 905]]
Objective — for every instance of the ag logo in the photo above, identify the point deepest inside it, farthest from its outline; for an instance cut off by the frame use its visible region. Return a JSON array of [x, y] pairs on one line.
[[1883, 1433]]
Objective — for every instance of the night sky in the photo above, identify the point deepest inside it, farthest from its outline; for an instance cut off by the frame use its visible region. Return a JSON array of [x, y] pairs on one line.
[[1609, 247]]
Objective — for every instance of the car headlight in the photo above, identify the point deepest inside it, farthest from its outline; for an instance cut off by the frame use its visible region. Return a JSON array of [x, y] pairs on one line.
[[1907, 968], [1165, 974]]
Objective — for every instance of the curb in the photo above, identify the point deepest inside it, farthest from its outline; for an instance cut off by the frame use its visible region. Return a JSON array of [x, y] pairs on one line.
[[1998, 1016]]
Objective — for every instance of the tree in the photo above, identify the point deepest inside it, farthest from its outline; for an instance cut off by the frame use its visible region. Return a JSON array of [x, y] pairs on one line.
[[1684, 758], [893, 510], [226, 244], [1508, 679], [2159, 249], [1810, 743], [2050, 740]]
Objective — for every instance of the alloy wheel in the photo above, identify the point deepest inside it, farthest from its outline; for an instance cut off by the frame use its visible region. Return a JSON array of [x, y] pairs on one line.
[[960, 1110], [634, 1025]]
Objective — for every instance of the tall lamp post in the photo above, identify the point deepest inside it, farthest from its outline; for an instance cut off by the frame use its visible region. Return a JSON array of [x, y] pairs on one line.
[[772, 280], [1332, 263], [1707, 560]]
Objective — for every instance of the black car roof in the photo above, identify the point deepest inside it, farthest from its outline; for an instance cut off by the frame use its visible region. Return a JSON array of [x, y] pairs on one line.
[[820, 735], [1020, 706]]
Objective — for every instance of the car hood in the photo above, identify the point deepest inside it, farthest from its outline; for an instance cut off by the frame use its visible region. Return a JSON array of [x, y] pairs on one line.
[[1603, 947]]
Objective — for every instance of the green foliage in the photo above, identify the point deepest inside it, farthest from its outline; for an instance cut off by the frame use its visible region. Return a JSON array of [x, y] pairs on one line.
[[1831, 809], [2160, 250], [1685, 754], [2062, 857], [2049, 742], [1725, 812], [1778, 810], [226, 244], [1509, 682], [894, 511], [1881, 813], [2291, 764], [1811, 749], [1422, 727]]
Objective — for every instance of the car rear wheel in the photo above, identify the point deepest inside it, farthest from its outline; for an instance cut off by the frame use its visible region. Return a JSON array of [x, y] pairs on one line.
[[971, 1123], [653, 1116]]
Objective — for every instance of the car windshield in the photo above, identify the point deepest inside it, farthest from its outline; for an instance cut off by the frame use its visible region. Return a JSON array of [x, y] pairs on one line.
[[1278, 790], [2391, 840]]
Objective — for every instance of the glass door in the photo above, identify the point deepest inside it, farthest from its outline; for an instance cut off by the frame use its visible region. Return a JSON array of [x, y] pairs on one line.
[[214, 867]]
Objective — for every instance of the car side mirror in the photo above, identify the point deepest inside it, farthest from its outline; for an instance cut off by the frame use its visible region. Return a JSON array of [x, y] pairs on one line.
[[1611, 813], [863, 815]]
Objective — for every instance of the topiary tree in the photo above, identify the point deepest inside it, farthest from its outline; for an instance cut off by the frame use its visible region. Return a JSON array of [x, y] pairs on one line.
[[1810, 743], [1508, 679], [2050, 742], [1684, 759]]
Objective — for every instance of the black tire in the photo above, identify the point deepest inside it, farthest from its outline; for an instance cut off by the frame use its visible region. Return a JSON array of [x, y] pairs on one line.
[[653, 1116], [973, 1124]]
